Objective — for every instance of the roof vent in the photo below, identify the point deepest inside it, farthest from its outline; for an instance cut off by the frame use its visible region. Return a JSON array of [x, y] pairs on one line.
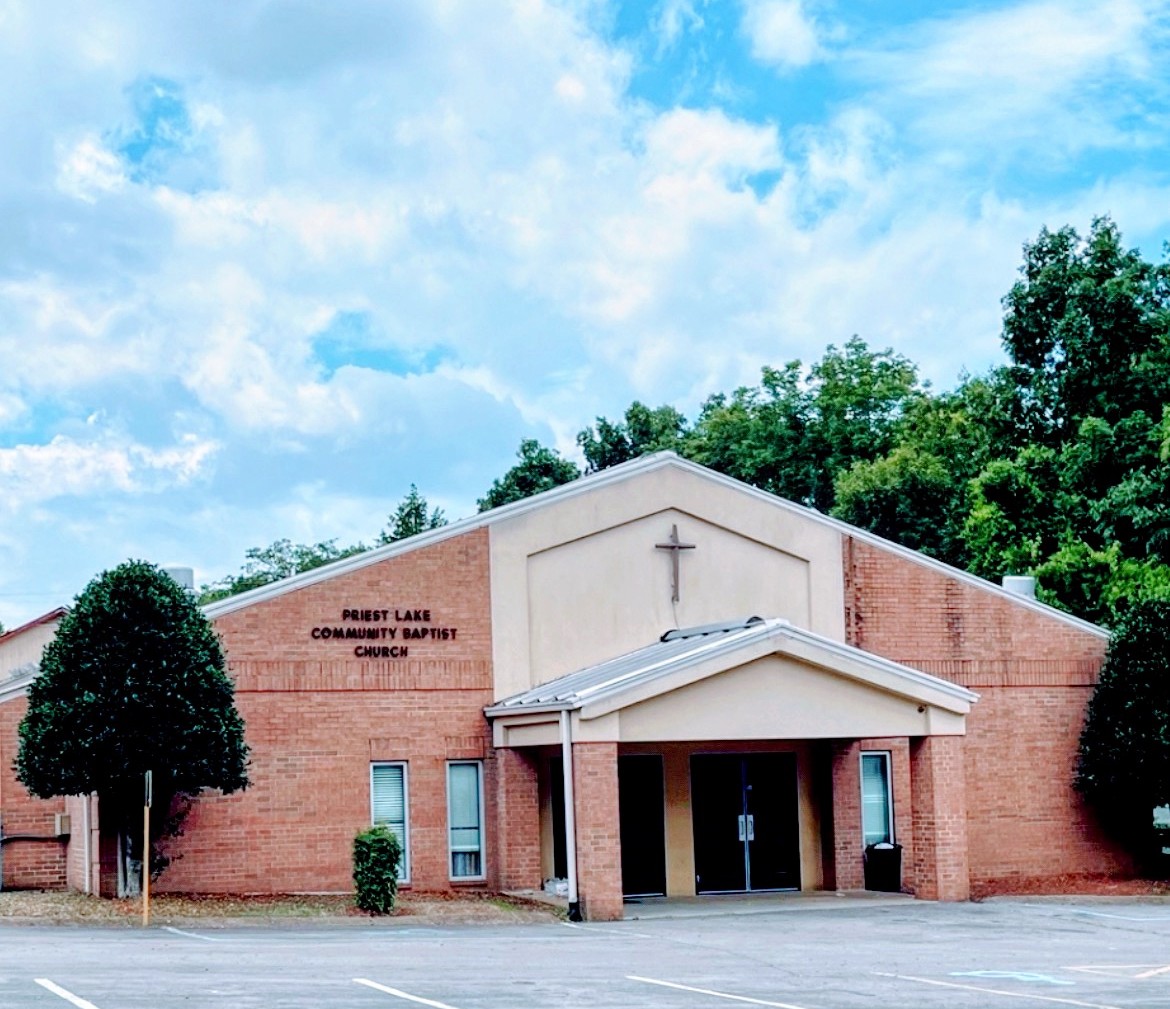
[[723, 628], [1020, 585]]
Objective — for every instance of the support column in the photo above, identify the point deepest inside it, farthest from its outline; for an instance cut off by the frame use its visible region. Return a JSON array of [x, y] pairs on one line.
[[599, 852], [517, 820], [939, 798], [848, 852]]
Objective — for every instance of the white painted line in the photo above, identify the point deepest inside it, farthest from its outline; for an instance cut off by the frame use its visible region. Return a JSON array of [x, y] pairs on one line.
[[1151, 973], [68, 996], [401, 994], [997, 991], [708, 991], [1101, 914], [190, 935], [608, 931]]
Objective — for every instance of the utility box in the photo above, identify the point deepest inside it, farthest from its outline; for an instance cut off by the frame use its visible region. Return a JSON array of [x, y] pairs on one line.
[[62, 825]]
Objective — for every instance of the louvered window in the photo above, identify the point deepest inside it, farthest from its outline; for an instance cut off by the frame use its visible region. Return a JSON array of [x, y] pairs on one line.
[[465, 818], [389, 800]]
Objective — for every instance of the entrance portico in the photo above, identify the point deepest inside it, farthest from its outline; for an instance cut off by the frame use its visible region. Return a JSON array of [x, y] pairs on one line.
[[726, 758]]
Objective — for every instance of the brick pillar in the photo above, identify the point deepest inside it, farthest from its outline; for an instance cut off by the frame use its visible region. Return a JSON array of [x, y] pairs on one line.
[[939, 798], [517, 821], [599, 852], [849, 869]]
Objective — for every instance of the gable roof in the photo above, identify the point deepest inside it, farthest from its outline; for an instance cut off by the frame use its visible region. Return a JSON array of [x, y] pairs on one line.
[[646, 672], [618, 474], [45, 618]]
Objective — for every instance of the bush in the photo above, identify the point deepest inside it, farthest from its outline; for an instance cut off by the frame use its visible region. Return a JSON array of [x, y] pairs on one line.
[[376, 853]]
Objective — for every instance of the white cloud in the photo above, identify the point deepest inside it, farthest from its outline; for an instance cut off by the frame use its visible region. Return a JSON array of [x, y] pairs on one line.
[[781, 32], [65, 467]]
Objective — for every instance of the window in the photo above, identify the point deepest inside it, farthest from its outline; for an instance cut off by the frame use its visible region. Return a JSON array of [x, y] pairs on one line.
[[465, 818], [389, 804], [877, 812]]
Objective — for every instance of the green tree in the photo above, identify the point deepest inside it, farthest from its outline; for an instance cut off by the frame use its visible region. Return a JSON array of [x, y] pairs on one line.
[[134, 681], [411, 518], [1086, 327], [269, 564], [903, 496], [1124, 764], [643, 431], [539, 469]]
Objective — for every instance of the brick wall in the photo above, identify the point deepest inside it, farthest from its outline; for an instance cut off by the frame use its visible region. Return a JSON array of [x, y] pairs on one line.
[[1034, 674], [518, 820], [27, 864], [847, 839], [939, 811], [316, 716], [599, 850]]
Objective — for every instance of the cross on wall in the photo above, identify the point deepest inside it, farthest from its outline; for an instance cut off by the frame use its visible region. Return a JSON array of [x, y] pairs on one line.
[[675, 546]]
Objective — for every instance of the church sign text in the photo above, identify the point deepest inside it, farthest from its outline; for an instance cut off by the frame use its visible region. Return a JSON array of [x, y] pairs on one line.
[[385, 631]]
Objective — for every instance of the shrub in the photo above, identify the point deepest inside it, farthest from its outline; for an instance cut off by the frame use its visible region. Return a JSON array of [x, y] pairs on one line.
[[376, 853]]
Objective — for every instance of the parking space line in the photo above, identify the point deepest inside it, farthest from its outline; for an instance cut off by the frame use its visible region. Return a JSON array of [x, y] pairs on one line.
[[1152, 973], [189, 935], [996, 991], [708, 991], [68, 996], [401, 994]]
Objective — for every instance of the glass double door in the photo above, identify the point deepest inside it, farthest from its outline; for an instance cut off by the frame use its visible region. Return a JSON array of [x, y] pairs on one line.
[[746, 825]]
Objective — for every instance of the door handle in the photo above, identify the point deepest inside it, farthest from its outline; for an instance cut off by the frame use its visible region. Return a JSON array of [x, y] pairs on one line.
[[751, 827], [743, 828]]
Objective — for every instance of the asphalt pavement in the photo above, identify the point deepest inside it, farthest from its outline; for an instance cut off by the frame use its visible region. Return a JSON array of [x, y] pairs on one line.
[[1092, 954]]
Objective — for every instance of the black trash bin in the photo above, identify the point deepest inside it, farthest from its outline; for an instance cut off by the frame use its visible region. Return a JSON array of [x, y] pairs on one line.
[[883, 867]]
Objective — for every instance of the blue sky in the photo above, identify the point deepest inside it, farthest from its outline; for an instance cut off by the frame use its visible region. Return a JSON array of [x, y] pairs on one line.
[[266, 264]]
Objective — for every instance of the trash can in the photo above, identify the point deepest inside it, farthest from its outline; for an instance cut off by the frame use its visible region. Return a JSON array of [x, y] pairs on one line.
[[883, 867]]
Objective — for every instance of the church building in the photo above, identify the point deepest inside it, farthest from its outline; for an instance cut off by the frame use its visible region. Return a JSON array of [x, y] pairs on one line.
[[653, 681]]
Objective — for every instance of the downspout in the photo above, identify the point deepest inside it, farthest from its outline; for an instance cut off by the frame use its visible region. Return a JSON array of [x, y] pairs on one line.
[[86, 846], [570, 819]]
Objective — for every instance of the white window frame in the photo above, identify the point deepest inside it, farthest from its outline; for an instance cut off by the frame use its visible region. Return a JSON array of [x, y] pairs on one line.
[[887, 760], [478, 765], [404, 874]]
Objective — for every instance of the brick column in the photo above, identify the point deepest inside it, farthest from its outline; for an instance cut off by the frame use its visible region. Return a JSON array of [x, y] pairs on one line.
[[849, 869], [599, 852], [517, 841], [939, 799]]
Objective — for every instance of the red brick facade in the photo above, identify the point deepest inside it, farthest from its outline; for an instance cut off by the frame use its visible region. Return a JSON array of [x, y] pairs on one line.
[[317, 717], [320, 710], [1034, 674], [31, 863]]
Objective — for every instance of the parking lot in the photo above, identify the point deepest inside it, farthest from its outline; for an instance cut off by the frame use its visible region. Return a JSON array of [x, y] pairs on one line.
[[1000, 953]]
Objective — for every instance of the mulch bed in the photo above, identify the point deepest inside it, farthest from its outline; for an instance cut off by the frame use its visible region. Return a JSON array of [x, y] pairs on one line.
[[1082, 885], [170, 909]]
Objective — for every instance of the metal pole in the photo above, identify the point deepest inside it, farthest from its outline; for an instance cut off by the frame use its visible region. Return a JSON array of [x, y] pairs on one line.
[[146, 853], [570, 819]]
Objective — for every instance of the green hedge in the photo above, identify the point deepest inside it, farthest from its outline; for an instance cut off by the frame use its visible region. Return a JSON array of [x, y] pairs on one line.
[[376, 853]]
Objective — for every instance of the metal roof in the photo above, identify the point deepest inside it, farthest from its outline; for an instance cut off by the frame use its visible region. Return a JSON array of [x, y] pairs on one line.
[[676, 650]]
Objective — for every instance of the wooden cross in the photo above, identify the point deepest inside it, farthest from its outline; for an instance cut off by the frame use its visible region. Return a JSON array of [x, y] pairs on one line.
[[674, 546]]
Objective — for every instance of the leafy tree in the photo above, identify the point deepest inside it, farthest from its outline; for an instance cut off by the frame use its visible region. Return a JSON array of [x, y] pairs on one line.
[[903, 496], [858, 399], [1086, 327], [643, 431], [1124, 765], [761, 434], [269, 564], [411, 518], [134, 681], [539, 469]]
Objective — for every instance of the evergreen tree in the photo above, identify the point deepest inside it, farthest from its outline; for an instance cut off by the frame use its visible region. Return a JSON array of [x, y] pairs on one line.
[[411, 518], [134, 681]]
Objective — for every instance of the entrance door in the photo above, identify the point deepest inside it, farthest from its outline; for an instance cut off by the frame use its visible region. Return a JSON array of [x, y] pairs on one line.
[[642, 820], [744, 813]]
